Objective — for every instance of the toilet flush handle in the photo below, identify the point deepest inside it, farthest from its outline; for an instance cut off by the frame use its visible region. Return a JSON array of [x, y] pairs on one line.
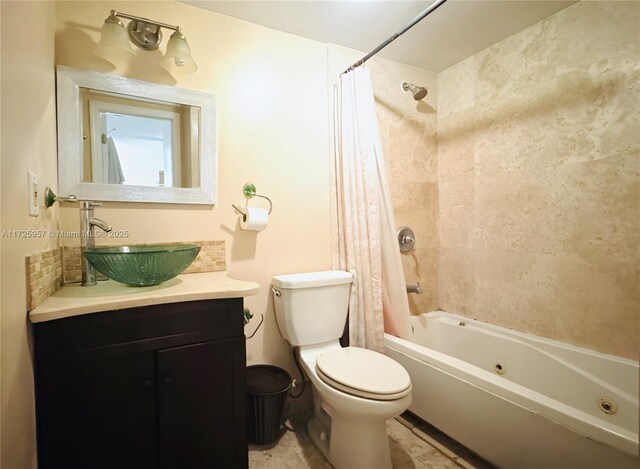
[[276, 292]]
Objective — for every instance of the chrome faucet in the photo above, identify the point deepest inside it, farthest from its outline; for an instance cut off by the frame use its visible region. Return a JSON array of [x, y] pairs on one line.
[[88, 238], [414, 288]]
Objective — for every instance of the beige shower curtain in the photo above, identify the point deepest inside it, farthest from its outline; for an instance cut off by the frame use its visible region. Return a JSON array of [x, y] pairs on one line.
[[363, 234]]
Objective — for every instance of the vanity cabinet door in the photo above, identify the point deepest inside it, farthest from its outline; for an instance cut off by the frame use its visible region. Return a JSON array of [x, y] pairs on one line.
[[159, 386], [98, 414], [201, 405]]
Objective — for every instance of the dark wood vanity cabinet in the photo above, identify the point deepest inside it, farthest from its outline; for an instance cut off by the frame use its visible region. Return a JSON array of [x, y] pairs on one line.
[[159, 386]]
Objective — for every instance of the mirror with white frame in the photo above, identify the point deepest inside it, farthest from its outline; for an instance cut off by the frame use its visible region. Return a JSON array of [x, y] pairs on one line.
[[127, 140]]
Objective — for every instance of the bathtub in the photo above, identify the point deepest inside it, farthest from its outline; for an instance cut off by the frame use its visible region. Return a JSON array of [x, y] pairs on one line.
[[518, 400]]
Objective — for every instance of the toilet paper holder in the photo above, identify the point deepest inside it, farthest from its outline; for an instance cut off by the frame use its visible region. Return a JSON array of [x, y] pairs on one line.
[[249, 191]]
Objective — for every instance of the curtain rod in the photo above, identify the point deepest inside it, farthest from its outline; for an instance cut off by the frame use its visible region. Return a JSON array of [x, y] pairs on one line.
[[415, 21]]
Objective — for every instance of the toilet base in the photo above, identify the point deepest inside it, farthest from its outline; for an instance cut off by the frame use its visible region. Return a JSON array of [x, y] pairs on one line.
[[352, 444], [319, 434]]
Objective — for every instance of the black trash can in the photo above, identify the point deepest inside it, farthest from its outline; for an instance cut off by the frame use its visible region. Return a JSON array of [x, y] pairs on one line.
[[267, 390]]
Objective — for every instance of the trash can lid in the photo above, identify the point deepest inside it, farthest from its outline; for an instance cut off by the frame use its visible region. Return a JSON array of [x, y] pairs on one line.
[[267, 379]]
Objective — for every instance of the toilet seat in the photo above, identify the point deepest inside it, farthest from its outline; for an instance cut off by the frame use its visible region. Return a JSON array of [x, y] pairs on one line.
[[363, 373]]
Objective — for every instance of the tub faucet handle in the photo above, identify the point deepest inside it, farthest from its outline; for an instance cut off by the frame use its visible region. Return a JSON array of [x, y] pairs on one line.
[[406, 239]]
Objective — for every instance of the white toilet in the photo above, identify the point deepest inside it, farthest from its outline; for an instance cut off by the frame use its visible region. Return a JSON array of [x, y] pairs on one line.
[[355, 390]]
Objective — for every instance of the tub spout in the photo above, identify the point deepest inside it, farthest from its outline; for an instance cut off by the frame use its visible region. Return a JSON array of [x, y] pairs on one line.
[[414, 288]]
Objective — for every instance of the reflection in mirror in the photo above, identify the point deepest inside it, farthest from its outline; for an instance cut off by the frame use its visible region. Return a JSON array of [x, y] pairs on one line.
[[127, 140], [138, 142]]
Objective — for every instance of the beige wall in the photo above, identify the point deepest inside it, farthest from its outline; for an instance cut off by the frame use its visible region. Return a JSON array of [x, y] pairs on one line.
[[539, 180], [28, 143], [408, 131], [270, 90]]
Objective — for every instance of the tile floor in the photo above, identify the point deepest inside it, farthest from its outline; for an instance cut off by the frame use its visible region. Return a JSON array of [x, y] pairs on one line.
[[414, 445]]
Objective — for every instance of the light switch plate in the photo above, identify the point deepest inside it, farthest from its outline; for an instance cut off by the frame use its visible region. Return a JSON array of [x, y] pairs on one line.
[[34, 196]]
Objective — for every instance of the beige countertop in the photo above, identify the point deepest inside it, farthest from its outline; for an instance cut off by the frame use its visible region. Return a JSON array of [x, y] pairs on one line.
[[74, 300]]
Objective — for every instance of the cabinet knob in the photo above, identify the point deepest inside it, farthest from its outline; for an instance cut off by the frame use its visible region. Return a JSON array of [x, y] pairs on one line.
[[167, 380], [147, 383]]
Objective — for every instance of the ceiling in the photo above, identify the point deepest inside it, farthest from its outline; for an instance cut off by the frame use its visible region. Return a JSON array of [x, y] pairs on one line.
[[455, 31]]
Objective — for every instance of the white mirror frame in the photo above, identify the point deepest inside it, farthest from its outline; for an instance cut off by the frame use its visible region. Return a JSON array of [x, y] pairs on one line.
[[69, 82]]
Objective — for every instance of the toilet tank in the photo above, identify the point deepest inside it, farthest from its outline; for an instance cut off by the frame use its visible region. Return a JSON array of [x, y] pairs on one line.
[[311, 308]]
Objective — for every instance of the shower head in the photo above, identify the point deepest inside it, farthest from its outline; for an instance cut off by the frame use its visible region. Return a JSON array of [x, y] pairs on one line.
[[418, 92]]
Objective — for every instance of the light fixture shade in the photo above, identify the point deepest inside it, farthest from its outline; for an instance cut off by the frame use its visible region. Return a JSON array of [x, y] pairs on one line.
[[178, 56], [114, 41]]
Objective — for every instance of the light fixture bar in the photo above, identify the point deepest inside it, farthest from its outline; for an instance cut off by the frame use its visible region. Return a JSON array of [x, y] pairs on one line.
[[144, 20]]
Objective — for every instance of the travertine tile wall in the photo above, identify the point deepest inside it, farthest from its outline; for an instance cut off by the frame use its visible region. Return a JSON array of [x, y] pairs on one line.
[[408, 130], [539, 180]]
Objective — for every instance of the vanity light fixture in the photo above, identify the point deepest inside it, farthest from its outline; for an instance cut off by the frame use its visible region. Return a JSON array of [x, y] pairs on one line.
[[147, 35]]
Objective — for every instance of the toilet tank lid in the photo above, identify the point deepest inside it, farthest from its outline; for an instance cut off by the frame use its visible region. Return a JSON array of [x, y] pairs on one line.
[[312, 279]]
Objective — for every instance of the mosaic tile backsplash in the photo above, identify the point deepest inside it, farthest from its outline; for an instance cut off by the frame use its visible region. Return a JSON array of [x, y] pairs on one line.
[[48, 270], [44, 276]]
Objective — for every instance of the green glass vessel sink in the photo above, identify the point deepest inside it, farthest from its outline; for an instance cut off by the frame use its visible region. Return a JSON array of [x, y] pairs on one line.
[[142, 266]]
